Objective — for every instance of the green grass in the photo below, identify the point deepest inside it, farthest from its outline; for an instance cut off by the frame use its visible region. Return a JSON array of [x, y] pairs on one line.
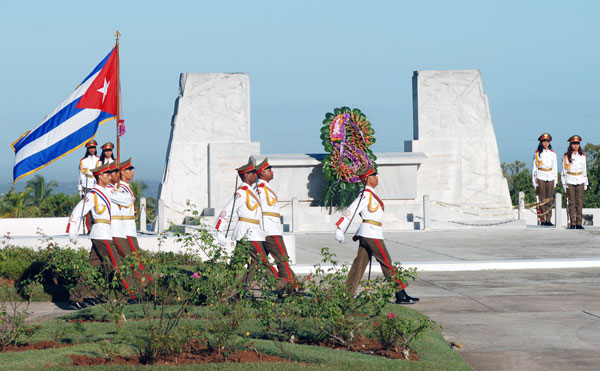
[[434, 351]]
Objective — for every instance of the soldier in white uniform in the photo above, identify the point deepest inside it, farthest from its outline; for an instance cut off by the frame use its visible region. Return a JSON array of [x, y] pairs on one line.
[[86, 178], [574, 180], [99, 202], [107, 154], [123, 221], [246, 204], [370, 235], [544, 175], [274, 243]]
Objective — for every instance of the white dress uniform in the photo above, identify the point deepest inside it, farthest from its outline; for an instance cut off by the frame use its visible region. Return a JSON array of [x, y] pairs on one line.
[[574, 173], [86, 178], [123, 217], [270, 209], [544, 167], [370, 210], [107, 160], [98, 201], [246, 204]]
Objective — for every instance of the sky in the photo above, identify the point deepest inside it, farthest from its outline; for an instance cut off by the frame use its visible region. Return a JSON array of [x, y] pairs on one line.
[[538, 60]]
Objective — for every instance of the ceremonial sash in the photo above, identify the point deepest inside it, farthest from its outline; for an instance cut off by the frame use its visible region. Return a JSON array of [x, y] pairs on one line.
[[376, 197]]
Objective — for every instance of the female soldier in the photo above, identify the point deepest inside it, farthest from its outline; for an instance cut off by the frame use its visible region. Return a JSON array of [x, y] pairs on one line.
[[87, 163], [575, 181], [543, 177], [107, 154]]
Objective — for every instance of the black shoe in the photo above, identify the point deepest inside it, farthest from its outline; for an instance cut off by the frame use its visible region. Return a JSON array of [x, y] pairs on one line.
[[90, 302], [133, 301], [403, 298], [579, 227], [73, 305], [572, 227], [549, 224]]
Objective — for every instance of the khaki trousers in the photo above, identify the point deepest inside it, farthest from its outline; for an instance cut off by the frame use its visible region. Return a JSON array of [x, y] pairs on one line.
[[370, 247], [575, 210], [546, 195], [259, 256], [275, 246], [127, 246]]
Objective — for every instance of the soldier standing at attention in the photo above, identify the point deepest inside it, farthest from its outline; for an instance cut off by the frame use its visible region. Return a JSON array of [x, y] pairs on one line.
[[107, 154], [246, 204], [574, 180], [370, 235], [87, 163], [98, 201], [544, 175], [274, 243]]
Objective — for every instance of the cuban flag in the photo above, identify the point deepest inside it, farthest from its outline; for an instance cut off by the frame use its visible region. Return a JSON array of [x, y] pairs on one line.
[[74, 122]]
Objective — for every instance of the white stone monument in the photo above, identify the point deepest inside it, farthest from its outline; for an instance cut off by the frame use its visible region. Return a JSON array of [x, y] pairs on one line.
[[453, 126]]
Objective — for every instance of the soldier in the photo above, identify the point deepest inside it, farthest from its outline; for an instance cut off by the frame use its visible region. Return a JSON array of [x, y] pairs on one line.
[[107, 154], [274, 243], [103, 252], [87, 163], [370, 235], [123, 220], [246, 204], [543, 177], [574, 181]]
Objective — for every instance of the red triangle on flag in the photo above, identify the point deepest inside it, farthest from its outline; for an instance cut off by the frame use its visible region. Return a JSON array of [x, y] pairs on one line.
[[102, 93]]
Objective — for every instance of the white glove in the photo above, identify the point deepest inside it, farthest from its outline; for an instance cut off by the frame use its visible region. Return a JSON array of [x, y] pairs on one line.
[[585, 187], [73, 238], [339, 235], [221, 240]]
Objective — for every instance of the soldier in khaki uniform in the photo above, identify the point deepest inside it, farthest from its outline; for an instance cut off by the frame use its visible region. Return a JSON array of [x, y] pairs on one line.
[[544, 175], [274, 244], [575, 181], [246, 204], [370, 235]]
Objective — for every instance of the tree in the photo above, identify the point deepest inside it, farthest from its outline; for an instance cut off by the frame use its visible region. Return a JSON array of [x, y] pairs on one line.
[[138, 187], [39, 189], [59, 204], [518, 178], [15, 204], [592, 195]]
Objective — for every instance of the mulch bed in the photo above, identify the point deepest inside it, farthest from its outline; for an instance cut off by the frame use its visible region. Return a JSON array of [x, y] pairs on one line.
[[197, 353], [365, 345], [37, 346]]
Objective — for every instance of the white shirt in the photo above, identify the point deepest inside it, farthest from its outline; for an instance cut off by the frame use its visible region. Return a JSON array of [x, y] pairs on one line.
[[544, 166], [123, 216], [270, 209], [99, 201], [107, 160], [370, 209], [86, 177], [245, 203], [575, 172]]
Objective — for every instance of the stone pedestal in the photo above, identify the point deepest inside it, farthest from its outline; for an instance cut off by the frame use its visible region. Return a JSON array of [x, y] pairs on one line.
[[210, 137], [453, 127]]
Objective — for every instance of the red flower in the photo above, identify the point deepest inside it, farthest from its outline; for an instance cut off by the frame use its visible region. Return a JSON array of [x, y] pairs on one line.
[[391, 315]]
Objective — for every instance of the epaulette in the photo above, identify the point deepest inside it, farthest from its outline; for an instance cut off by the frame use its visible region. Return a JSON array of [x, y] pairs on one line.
[[243, 188], [552, 151], [537, 151]]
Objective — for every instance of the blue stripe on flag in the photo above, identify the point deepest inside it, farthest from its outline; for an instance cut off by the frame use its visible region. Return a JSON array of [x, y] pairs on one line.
[[99, 66], [59, 149]]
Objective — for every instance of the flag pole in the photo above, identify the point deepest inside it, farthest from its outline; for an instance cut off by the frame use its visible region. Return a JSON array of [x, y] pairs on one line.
[[118, 89]]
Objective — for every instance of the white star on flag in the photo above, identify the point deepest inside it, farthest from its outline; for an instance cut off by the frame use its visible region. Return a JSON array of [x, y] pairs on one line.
[[104, 89]]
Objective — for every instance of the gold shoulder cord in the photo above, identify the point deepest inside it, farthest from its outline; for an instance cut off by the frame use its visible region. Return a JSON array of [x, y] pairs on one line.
[[96, 205], [566, 163], [248, 201], [538, 162], [272, 201], [369, 206]]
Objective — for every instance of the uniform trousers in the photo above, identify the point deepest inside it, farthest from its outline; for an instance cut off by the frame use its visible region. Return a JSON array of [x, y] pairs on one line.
[[575, 196], [129, 246], [370, 247], [546, 195], [259, 256], [275, 246], [103, 253]]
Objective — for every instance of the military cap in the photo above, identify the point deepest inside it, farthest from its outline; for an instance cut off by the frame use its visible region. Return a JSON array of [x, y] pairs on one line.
[[125, 165], [366, 172], [113, 166], [575, 139], [91, 143], [263, 165], [545, 136], [248, 168], [108, 146], [101, 169]]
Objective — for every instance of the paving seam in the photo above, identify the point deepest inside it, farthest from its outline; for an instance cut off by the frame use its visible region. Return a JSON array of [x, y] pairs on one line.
[[424, 249]]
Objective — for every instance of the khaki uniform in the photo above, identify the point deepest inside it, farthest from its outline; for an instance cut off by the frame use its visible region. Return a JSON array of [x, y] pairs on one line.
[[543, 176], [575, 181], [370, 234]]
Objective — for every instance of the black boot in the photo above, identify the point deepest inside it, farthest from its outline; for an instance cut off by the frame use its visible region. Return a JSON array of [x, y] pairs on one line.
[[572, 227], [579, 226], [403, 298]]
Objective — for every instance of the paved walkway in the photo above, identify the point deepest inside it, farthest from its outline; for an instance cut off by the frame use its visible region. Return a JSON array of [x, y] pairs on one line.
[[532, 318]]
